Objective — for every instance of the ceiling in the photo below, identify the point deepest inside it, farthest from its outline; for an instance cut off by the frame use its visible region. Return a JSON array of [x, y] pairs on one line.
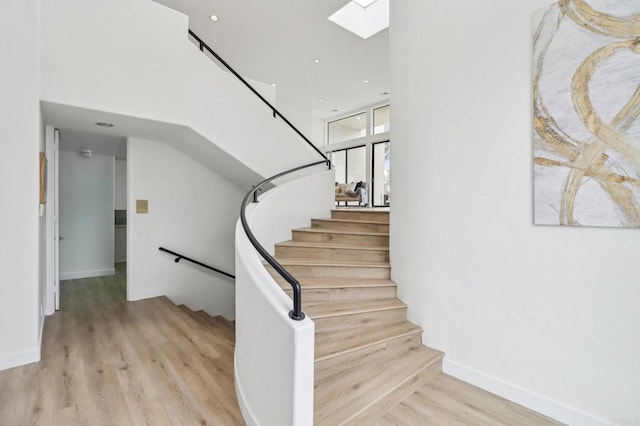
[[72, 140], [277, 41]]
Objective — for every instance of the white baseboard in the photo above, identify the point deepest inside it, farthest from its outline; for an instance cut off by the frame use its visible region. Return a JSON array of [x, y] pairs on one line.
[[542, 404], [17, 359], [146, 294], [87, 274]]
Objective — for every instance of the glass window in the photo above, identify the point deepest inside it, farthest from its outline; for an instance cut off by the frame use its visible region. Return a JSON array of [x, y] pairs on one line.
[[381, 177], [347, 128], [357, 164], [381, 119], [339, 162], [350, 165]]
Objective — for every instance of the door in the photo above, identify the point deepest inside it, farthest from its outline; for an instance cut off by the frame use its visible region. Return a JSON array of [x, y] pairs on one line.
[[56, 223], [52, 143]]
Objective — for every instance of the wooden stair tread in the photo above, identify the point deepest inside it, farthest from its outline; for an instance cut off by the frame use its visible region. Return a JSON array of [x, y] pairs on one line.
[[340, 398], [329, 344], [329, 245], [200, 325], [317, 310], [354, 221], [324, 262], [322, 282], [337, 231]]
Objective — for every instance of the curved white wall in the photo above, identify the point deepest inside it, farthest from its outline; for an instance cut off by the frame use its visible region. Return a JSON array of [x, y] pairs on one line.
[[274, 354]]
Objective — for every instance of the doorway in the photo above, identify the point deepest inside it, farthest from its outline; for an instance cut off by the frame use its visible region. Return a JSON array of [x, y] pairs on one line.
[[90, 198]]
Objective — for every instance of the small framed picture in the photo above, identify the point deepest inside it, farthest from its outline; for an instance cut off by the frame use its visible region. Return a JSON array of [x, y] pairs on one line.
[[43, 178]]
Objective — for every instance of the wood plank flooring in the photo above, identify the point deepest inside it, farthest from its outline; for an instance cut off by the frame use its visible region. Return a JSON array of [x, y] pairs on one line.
[[109, 362], [448, 401]]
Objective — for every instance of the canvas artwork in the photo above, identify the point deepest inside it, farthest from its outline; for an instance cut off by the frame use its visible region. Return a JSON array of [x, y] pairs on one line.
[[586, 91]]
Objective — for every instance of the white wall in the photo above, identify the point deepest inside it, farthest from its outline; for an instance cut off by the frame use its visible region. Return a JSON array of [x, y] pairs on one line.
[[547, 316], [86, 215], [274, 354], [120, 185], [19, 136], [192, 211], [134, 59]]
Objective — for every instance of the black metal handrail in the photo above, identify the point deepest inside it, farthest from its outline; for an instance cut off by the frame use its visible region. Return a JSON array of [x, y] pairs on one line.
[[273, 109], [204, 265], [251, 196]]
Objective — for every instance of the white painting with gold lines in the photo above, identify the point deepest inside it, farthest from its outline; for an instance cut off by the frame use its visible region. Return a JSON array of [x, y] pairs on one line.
[[586, 91]]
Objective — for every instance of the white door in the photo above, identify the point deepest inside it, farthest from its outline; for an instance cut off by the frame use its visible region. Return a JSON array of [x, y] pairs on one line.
[[52, 139], [56, 223]]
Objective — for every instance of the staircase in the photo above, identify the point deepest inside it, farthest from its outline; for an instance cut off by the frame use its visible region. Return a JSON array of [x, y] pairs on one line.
[[368, 357], [217, 325]]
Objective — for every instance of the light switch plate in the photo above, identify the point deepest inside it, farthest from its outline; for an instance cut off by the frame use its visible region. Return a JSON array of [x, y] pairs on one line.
[[142, 206]]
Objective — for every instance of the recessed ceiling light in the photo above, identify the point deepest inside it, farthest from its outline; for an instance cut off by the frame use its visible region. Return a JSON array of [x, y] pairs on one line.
[[273, 84], [321, 99], [365, 81], [316, 61], [104, 124], [358, 118], [214, 18]]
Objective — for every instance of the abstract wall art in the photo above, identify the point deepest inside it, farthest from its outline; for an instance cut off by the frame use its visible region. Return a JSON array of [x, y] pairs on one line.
[[586, 95]]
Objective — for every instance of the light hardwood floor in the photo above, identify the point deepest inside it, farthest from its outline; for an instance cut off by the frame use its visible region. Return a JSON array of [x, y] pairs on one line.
[[109, 362], [448, 401]]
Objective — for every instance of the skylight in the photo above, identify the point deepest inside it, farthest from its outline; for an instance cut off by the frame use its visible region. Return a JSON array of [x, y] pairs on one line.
[[364, 3], [363, 17]]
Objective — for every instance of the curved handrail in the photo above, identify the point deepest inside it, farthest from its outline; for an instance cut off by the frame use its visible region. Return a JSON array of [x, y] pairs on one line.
[[251, 196], [296, 313], [276, 113]]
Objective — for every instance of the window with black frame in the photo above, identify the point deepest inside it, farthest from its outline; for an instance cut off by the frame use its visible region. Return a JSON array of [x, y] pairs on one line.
[[380, 171], [350, 164]]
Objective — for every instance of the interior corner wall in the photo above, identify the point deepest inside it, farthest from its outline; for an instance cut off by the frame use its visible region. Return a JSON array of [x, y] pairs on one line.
[[192, 211], [86, 215], [546, 316], [19, 136]]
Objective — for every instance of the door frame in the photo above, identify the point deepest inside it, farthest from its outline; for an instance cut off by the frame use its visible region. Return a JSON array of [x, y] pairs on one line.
[[52, 274]]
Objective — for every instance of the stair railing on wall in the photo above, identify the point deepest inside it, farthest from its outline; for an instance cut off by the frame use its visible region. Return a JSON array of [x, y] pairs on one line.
[[252, 196], [179, 257], [276, 114]]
